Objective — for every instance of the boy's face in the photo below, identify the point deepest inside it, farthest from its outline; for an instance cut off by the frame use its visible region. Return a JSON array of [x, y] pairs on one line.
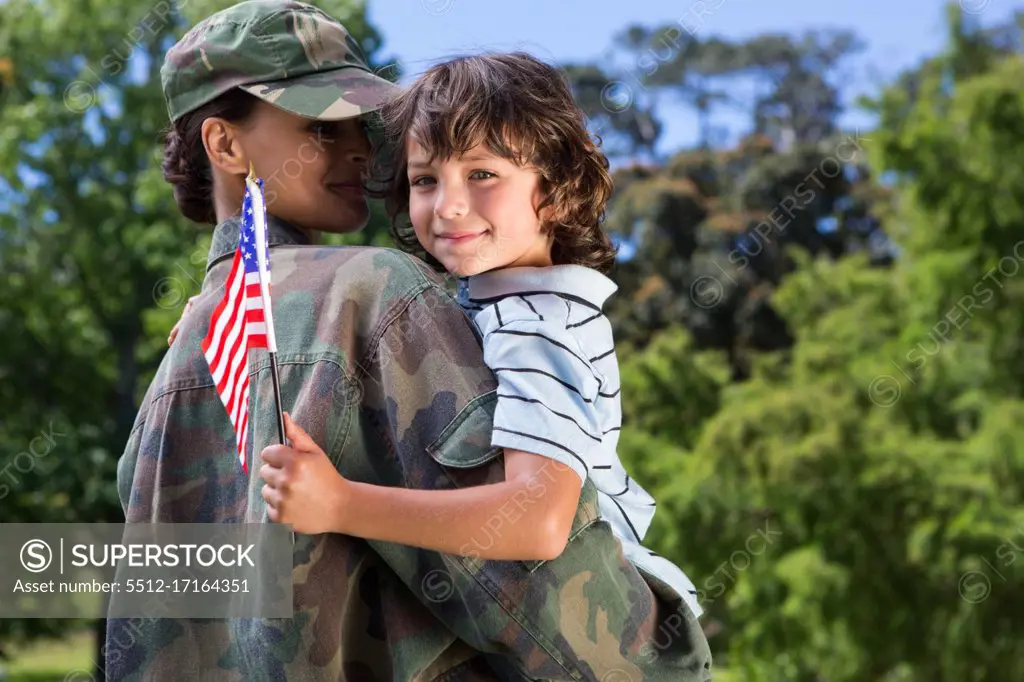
[[476, 212], [311, 170]]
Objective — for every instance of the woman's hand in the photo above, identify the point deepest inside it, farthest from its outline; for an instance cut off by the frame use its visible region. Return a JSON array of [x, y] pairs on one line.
[[177, 325], [302, 487]]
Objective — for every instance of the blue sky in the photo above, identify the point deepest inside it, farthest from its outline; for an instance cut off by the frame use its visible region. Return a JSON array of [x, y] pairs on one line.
[[898, 33]]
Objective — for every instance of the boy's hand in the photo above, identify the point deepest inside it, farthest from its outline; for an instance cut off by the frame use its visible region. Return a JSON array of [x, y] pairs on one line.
[[174, 329], [302, 486]]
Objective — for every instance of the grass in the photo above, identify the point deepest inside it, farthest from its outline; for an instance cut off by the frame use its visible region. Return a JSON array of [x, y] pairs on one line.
[[65, 660]]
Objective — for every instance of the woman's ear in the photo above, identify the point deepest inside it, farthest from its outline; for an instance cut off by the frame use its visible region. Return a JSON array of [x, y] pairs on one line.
[[223, 148]]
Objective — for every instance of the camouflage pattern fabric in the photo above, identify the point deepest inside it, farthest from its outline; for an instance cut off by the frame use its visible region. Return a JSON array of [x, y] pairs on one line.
[[382, 368], [289, 54]]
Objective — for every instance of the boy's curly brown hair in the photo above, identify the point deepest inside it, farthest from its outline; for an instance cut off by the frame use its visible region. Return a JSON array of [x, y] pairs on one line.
[[523, 110]]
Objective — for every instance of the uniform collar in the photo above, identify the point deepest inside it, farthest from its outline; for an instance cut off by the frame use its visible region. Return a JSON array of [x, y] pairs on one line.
[[572, 280], [225, 237]]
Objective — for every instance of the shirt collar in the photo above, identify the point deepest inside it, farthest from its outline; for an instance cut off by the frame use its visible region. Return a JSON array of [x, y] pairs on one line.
[[225, 237], [573, 280]]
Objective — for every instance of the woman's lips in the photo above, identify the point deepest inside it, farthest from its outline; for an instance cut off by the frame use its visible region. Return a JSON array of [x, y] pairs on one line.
[[346, 188]]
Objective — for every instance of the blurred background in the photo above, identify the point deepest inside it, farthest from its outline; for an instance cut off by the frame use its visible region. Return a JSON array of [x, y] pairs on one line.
[[820, 213]]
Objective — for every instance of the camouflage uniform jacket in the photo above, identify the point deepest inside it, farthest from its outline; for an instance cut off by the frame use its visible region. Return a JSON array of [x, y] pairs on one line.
[[381, 367]]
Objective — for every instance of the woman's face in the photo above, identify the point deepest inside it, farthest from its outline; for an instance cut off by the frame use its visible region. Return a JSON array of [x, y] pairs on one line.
[[312, 170]]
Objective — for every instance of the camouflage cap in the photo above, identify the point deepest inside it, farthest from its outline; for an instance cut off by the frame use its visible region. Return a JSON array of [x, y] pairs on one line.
[[289, 54]]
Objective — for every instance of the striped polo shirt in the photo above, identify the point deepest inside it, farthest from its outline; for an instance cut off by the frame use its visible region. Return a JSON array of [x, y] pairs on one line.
[[551, 349]]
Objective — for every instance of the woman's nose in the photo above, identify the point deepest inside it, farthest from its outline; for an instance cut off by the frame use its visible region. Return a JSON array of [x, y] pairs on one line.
[[353, 144], [357, 156]]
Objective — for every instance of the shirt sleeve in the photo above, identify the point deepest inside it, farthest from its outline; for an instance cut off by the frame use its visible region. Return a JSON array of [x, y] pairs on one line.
[[547, 390]]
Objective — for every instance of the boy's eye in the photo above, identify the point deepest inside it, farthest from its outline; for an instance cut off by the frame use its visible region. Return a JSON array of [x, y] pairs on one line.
[[481, 175], [421, 181]]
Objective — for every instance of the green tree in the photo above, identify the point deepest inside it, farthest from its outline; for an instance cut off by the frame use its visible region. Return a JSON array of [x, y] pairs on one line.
[[852, 511]]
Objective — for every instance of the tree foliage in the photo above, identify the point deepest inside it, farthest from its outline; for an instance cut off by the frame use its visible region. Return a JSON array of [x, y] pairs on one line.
[[881, 452]]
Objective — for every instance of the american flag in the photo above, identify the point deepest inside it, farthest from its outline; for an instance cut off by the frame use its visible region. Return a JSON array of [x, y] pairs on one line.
[[242, 320]]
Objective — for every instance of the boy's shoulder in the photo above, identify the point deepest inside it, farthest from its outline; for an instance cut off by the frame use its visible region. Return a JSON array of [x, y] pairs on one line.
[[538, 314]]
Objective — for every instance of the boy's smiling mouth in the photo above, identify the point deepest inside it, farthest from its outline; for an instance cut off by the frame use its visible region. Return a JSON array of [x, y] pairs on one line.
[[460, 237]]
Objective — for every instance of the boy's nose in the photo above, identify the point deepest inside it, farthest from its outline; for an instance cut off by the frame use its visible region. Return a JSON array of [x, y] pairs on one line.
[[450, 205]]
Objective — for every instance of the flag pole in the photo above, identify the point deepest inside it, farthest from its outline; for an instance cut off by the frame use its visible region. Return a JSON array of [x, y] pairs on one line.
[[260, 225], [262, 247]]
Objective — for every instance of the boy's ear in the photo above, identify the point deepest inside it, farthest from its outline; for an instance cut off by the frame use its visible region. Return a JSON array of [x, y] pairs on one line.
[[223, 147], [540, 196], [549, 215]]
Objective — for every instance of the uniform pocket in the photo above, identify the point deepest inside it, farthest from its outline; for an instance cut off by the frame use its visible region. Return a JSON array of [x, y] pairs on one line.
[[466, 441]]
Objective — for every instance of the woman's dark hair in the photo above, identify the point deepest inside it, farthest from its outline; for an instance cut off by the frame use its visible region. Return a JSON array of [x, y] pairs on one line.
[[523, 110], [185, 164]]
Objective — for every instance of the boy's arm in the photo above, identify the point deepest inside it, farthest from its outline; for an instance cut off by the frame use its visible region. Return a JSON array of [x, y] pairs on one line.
[[538, 498]]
